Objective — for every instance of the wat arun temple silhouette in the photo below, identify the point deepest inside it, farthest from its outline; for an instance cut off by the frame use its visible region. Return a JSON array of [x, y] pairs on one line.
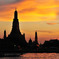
[[15, 34], [16, 40]]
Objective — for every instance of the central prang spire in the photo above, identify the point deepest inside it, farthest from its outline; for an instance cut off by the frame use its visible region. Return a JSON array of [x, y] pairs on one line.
[[16, 37], [15, 15], [15, 21], [15, 33]]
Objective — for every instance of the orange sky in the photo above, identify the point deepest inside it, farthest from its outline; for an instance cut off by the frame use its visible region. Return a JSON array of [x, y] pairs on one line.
[[34, 15]]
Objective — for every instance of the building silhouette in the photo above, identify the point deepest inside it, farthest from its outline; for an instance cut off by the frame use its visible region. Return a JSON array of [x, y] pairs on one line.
[[35, 42], [15, 42], [36, 39], [4, 34], [15, 34], [30, 42], [34, 46]]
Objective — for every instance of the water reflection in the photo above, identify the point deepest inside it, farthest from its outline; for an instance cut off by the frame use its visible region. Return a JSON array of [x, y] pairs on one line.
[[41, 55], [36, 56]]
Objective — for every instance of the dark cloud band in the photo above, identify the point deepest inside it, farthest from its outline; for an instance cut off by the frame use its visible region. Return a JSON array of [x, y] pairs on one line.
[[4, 2]]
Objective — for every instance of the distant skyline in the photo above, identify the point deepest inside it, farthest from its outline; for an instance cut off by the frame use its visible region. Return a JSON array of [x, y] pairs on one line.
[[34, 15]]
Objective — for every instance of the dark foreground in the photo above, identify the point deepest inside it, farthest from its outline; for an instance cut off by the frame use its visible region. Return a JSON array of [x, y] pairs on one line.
[[35, 56], [18, 53]]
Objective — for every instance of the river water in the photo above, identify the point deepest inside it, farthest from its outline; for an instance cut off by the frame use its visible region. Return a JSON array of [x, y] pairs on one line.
[[35, 56]]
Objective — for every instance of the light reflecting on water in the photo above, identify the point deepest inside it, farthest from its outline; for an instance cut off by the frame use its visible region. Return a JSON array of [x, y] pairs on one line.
[[35, 56]]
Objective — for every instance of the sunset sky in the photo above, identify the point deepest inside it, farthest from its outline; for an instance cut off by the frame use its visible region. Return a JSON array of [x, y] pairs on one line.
[[34, 15]]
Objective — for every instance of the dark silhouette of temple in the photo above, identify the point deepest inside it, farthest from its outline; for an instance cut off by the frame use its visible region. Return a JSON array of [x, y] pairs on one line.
[[34, 46], [16, 42], [36, 38], [30, 42], [15, 34], [4, 34]]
